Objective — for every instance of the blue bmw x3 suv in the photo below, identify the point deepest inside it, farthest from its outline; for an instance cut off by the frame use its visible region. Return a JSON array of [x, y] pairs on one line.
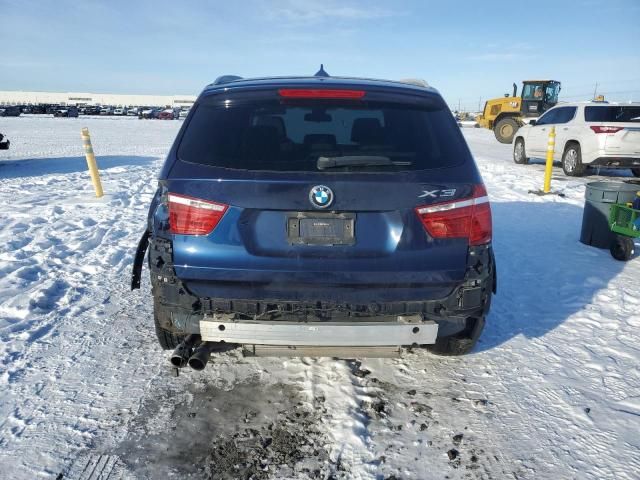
[[318, 216]]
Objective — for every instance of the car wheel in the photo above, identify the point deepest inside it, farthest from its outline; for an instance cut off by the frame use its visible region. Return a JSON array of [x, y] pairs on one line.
[[622, 248], [168, 340], [519, 155], [505, 129], [636, 172], [460, 343], [572, 161]]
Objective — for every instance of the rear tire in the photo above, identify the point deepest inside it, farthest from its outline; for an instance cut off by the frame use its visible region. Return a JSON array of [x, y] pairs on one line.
[[519, 153], [460, 343], [622, 248], [636, 172], [167, 339], [505, 129], [572, 161]]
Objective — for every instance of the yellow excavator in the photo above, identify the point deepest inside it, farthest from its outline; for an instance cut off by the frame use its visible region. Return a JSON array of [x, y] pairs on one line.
[[507, 114]]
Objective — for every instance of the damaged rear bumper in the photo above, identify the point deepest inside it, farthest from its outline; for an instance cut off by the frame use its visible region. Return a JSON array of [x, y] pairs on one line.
[[404, 331], [320, 322]]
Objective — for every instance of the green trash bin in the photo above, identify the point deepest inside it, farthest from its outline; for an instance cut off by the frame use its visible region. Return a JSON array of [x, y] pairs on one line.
[[599, 196]]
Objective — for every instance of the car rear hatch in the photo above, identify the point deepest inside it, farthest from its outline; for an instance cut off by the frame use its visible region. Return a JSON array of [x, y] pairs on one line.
[[622, 139], [620, 124], [292, 194]]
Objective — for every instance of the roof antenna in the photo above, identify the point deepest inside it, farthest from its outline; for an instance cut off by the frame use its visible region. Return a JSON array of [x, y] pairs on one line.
[[321, 72]]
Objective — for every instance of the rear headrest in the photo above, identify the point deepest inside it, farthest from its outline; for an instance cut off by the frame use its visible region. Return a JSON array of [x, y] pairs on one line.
[[271, 121], [261, 141], [317, 141], [367, 131]]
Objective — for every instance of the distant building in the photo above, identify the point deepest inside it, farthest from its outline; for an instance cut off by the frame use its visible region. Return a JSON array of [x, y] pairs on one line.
[[76, 98]]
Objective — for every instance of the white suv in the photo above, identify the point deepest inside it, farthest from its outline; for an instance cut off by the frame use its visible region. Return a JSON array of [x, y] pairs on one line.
[[591, 134]]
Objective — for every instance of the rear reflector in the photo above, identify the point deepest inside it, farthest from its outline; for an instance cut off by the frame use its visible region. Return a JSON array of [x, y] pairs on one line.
[[605, 129], [192, 216], [465, 218], [320, 93]]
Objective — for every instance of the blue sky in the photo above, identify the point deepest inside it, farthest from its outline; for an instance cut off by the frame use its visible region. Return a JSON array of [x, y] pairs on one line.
[[468, 50]]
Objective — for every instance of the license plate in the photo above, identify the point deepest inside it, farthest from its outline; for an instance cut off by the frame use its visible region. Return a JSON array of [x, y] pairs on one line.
[[321, 228]]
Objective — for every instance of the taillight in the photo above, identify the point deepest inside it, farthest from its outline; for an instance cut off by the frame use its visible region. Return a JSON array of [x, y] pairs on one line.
[[599, 129], [465, 218], [320, 93], [192, 216]]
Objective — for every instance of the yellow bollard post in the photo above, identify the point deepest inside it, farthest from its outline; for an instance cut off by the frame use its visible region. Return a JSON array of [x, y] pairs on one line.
[[551, 145], [91, 162]]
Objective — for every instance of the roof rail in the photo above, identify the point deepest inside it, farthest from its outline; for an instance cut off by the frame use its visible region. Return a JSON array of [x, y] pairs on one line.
[[419, 82], [226, 79]]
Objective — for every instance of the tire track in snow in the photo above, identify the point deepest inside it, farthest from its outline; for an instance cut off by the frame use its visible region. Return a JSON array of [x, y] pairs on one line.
[[430, 417], [345, 423]]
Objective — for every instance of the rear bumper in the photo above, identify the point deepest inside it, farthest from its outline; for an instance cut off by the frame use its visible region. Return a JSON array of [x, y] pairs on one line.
[[616, 162], [404, 331], [449, 306]]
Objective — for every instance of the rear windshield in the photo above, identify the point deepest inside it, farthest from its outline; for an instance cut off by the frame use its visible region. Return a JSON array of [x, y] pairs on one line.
[[612, 114], [322, 137]]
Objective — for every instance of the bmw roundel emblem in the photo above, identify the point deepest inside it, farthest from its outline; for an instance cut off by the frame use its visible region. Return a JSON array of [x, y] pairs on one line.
[[321, 196]]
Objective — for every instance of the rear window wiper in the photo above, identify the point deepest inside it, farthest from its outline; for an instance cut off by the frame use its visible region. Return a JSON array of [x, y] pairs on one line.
[[357, 161]]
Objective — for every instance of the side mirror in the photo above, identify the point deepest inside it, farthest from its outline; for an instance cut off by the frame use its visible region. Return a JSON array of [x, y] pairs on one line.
[[532, 122]]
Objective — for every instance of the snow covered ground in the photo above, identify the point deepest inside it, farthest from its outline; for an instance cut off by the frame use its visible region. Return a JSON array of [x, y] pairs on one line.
[[551, 391]]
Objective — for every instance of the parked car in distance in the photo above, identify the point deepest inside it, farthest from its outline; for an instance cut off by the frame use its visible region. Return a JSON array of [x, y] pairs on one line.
[[183, 113], [39, 109], [119, 111], [106, 110], [4, 142], [9, 111], [318, 216], [66, 111], [588, 135], [132, 112], [148, 113], [166, 114], [89, 110]]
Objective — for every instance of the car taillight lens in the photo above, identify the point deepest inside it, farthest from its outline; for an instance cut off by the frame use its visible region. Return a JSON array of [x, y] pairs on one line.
[[320, 93], [599, 129], [465, 218], [192, 216]]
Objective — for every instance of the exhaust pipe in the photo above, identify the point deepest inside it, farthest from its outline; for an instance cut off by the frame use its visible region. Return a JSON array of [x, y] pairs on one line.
[[201, 355], [203, 352], [184, 350]]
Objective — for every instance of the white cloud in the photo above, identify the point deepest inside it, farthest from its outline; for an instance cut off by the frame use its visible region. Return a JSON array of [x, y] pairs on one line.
[[310, 11]]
